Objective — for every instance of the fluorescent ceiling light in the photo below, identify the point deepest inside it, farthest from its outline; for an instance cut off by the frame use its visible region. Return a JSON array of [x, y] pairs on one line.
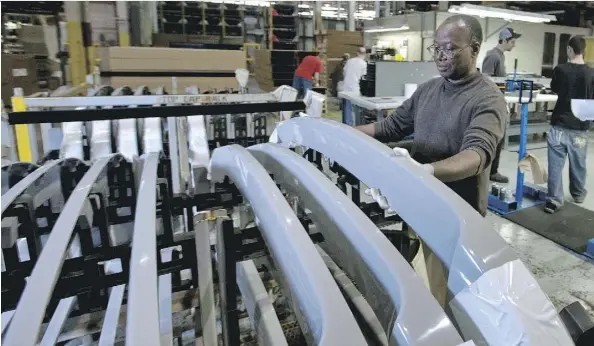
[[405, 27], [492, 12], [303, 6]]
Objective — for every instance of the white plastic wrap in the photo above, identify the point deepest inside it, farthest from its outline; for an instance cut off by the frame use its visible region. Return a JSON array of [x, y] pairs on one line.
[[127, 143], [583, 109], [152, 138], [72, 145], [314, 103], [242, 75], [197, 138], [509, 299], [100, 139]]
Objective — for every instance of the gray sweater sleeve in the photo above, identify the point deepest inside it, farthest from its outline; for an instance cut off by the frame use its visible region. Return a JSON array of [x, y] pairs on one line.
[[491, 65], [399, 124], [486, 129]]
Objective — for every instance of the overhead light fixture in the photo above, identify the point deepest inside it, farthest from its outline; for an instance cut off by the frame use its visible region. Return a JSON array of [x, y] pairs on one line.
[[402, 28], [501, 13]]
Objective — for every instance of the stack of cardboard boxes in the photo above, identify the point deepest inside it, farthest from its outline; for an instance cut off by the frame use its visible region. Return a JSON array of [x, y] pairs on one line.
[[263, 69], [340, 42], [154, 67], [18, 71]]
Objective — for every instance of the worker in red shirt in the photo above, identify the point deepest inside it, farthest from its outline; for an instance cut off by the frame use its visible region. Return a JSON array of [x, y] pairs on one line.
[[307, 74]]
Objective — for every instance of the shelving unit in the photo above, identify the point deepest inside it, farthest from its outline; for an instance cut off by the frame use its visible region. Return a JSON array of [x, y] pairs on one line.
[[282, 29], [201, 18]]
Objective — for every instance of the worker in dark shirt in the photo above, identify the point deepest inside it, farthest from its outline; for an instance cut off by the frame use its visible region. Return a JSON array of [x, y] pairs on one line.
[[458, 119], [494, 65], [568, 136]]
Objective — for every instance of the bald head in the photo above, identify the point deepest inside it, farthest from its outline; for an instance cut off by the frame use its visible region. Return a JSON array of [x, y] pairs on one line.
[[456, 47], [467, 24]]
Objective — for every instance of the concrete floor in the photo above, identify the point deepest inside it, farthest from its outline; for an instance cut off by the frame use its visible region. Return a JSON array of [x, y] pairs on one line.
[[564, 275]]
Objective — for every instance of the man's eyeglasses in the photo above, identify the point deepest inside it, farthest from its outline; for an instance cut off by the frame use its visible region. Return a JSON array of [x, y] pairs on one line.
[[449, 53]]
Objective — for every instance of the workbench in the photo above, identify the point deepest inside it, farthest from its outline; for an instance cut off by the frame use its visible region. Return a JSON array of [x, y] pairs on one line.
[[373, 104], [379, 104], [538, 127]]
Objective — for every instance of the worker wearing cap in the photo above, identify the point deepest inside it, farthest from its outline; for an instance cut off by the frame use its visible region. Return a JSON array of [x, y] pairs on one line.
[[494, 65], [494, 62]]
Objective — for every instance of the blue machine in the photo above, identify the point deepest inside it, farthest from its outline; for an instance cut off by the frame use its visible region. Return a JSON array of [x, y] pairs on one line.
[[534, 194]]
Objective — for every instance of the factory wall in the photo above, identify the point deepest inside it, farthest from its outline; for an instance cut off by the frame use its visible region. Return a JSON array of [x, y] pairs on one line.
[[529, 47], [528, 51]]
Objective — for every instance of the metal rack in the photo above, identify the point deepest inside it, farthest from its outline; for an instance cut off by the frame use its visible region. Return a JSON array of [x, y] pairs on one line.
[[112, 231]]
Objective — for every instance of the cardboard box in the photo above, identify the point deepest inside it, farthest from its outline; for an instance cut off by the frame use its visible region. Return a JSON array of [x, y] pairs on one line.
[[171, 59], [340, 42], [33, 39], [18, 71]]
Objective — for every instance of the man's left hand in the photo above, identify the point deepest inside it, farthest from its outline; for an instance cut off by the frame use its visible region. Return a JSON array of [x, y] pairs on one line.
[[401, 152]]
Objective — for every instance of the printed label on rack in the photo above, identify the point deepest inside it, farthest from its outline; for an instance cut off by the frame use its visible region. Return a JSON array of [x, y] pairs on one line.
[[193, 99]]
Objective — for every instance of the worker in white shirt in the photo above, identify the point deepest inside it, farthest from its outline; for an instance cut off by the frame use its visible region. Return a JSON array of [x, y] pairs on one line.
[[354, 69]]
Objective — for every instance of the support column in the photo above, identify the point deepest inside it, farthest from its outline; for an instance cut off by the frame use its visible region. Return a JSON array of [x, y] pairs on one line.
[[122, 23], [377, 8], [317, 17], [147, 22], [76, 50], [352, 7]]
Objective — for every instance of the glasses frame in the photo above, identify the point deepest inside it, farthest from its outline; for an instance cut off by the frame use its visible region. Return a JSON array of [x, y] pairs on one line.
[[434, 50]]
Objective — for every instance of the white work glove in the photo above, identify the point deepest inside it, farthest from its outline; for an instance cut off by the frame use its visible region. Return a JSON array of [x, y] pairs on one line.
[[378, 197], [401, 152]]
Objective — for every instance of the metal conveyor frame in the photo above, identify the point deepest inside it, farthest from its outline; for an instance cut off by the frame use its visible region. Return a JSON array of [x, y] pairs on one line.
[[313, 291], [385, 278], [456, 233]]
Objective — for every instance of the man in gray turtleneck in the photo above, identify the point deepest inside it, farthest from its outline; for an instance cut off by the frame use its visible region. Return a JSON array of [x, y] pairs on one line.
[[457, 119]]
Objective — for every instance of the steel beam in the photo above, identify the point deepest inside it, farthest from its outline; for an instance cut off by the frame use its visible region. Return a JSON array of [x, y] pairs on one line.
[[365, 315], [142, 325], [112, 316], [456, 233], [226, 247], [29, 313], [55, 325], [363, 251], [262, 315], [202, 227], [315, 296], [165, 314]]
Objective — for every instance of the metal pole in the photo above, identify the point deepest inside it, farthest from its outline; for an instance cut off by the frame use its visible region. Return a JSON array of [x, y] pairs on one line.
[[226, 248], [352, 5], [522, 152]]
